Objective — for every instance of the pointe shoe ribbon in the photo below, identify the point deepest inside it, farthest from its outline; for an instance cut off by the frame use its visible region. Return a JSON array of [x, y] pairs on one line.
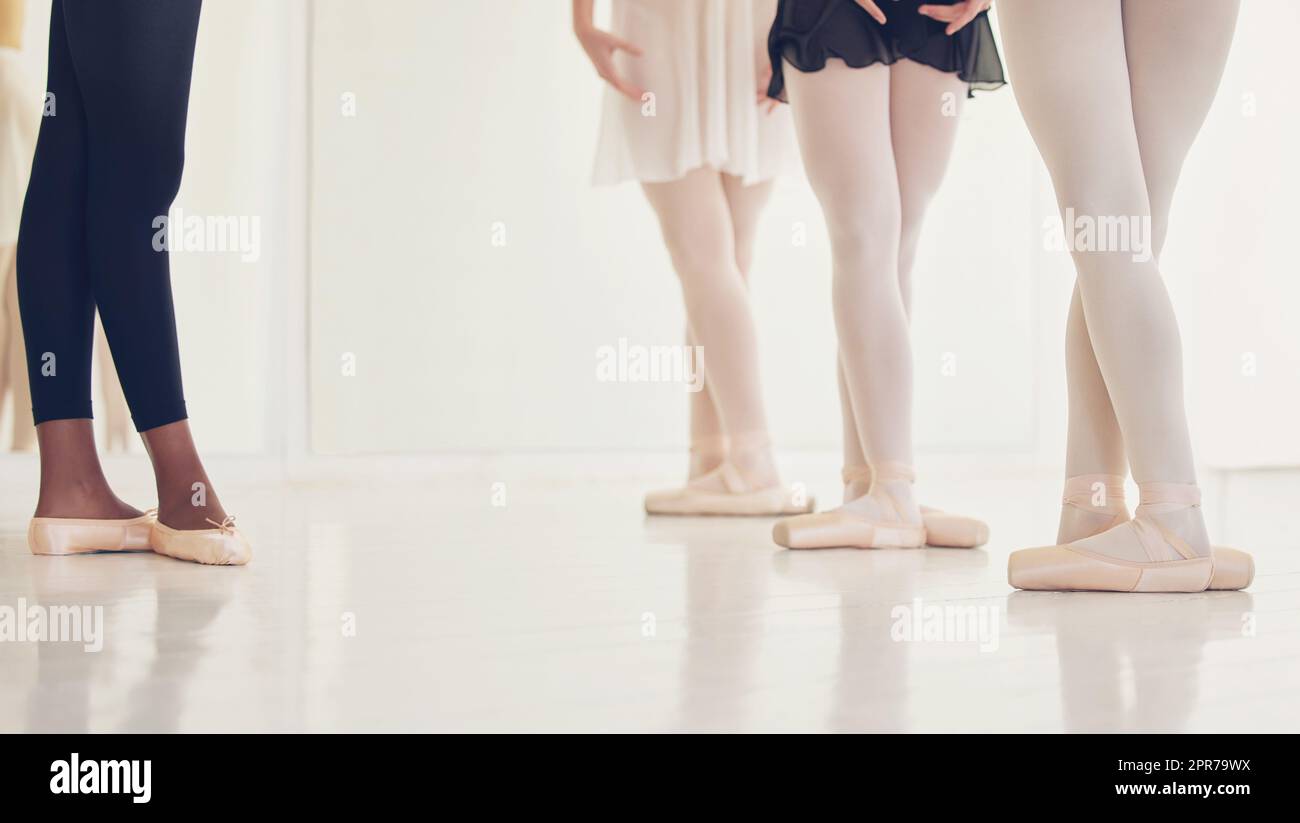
[[707, 452], [843, 528], [856, 474], [710, 445], [1094, 491], [943, 529], [1172, 564], [1101, 493], [888, 472], [1155, 536]]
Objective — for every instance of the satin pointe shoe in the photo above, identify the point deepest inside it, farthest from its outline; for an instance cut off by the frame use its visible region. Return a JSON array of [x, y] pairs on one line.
[[221, 546], [953, 531], [1100, 497], [1138, 555], [725, 491], [942, 529], [861, 524], [69, 535]]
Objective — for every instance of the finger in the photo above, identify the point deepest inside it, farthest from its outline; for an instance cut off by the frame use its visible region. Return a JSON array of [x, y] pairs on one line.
[[623, 45], [945, 14], [873, 10], [971, 12], [609, 73], [625, 88]]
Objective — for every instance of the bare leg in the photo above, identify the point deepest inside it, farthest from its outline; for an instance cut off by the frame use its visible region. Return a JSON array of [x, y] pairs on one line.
[[695, 217], [186, 499], [746, 203], [72, 480], [1174, 72], [1088, 137]]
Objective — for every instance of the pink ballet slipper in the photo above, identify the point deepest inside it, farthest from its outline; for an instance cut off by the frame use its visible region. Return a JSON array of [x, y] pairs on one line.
[[70, 535]]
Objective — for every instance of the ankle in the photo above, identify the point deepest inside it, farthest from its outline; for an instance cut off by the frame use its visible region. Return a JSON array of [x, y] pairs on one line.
[[903, 496], [857, 480], [188, 516], [1077, 523], [752, 456], [1091, 504], [1095, 492], [188, 501], [1175, 508], [707, 453], [891, 495], [82, 498]]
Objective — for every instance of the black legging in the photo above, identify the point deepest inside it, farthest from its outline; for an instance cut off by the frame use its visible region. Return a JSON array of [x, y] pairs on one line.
[[108, 163]]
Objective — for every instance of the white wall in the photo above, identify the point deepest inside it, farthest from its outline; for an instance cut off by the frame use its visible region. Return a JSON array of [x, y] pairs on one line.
[[465, 346], [473, 117]]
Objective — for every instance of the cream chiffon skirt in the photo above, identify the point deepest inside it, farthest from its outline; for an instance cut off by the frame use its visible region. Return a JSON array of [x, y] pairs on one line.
[[704, 62]]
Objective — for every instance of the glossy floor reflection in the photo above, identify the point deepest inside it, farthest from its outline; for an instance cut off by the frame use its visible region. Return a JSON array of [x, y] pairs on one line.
[[532, 594]]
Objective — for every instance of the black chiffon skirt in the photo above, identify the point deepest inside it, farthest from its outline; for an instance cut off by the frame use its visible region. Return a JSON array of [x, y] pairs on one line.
[[808, 32]]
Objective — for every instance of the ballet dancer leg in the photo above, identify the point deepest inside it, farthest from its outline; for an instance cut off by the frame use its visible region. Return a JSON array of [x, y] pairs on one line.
[[925, 110], [57, 306], [695, 218], [745, 203], [124, 67], [1094, 457], [1088, 138], [842, 118], [708, 448], [1171, 97]]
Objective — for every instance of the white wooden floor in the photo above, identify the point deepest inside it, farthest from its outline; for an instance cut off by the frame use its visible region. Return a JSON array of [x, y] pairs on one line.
[[551, 603]]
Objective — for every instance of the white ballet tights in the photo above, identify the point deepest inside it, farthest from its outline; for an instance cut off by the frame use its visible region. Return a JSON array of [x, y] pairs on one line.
[[746, 203], [707, 219], [1114, 92], [875, 143]]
